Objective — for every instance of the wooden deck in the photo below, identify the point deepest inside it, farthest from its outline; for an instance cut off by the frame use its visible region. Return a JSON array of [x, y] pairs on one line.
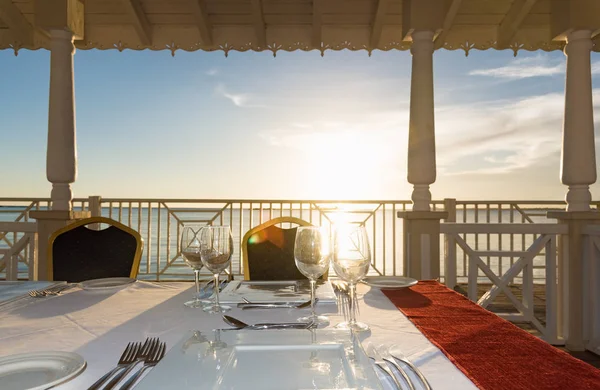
[[502, 305]]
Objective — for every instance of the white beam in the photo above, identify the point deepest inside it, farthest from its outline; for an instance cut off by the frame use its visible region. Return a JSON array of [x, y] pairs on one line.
[[201, 17], [259, 23], [317, 36], [20, 28], [377, 26], [140, 21], [512, 21], [448, 22]]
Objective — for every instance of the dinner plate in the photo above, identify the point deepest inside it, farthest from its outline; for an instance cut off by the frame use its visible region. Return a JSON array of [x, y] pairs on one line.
[[293, 291], [39, 370], [323, 359], [389, 282], [106, 284]]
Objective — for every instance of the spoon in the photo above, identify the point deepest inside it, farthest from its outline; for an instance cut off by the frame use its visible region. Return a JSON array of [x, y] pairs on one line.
[[237, 324], [275, 305]]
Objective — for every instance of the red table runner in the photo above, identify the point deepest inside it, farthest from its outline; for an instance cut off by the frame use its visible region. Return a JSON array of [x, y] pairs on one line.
[[491, 351]]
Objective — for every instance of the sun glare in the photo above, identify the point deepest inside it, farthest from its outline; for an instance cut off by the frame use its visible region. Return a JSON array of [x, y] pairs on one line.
[[344, 163]]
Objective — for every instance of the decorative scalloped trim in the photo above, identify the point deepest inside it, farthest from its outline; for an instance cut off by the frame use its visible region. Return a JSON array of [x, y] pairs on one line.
[[274, 47]]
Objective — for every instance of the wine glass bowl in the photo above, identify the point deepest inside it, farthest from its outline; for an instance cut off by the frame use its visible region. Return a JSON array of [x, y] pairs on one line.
[[216, 249], [351, 261], [312, 253], [190, 251]]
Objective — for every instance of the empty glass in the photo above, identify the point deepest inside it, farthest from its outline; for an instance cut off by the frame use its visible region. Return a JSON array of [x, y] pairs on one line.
[[190, 250], [216, 248], [312, 252], [351, 260]]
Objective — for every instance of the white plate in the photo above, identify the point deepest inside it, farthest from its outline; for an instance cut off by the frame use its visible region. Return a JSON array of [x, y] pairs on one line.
[[275, 291], [106, 284], [389, 282], [264, 360], [39, 370]]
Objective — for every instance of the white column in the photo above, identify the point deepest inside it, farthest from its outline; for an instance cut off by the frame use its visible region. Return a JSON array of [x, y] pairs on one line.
[[421, 130], [61, 158], [578, 164]]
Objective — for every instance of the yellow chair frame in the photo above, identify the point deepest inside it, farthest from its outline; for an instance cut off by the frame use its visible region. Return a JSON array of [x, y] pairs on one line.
[[137, 257], [260, 227]]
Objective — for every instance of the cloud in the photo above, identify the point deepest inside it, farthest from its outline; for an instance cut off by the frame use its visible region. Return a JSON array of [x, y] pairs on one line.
[[238, 99], [522, 68], [502, 136], [212, 72]]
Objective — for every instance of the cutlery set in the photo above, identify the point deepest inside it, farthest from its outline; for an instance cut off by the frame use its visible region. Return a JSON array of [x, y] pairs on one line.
[[149, 353]]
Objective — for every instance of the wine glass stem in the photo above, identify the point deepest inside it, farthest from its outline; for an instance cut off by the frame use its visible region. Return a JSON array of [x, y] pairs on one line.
[[312, 297], [197, 280], [352, 301], [217, 304]]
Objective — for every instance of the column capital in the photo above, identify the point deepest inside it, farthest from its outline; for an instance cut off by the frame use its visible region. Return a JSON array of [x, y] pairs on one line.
[[578, 41], [423, 35]]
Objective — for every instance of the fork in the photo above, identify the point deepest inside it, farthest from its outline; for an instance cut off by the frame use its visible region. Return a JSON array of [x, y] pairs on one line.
[[150, 345], [49, 291], [387, 357], [128, 357], [150, 361], [379, 362], [399, 356]]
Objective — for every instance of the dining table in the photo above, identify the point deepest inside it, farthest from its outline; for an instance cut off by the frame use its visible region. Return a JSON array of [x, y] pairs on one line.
[[98, 325]]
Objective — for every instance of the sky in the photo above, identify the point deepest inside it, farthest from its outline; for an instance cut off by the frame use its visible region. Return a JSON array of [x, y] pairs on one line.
[[298, 126]]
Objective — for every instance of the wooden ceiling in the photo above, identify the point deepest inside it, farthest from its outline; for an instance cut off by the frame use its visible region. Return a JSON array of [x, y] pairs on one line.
[[304, 24]]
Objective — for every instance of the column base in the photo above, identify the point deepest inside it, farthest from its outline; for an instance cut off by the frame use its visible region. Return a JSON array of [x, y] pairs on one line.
[[577, 275], [421, 243], [49, 221]]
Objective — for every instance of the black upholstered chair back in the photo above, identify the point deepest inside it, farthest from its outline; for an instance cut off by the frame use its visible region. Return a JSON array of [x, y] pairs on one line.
[[78, 253], [271, 254], [268, 251]]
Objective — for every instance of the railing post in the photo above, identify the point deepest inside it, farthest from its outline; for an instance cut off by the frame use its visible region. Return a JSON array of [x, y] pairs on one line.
[[552, 308], [12, 266], [473, 278], [33, 254], [95, 209], [450, 246]]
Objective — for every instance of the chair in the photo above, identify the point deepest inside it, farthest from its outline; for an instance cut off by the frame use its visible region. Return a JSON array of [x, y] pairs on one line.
[[77, 253], [268, 251]]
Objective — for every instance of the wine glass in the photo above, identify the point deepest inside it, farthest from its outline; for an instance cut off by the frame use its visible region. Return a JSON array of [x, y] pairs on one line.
[[216, 248], [312, 252], [190, 250], [351, 260]]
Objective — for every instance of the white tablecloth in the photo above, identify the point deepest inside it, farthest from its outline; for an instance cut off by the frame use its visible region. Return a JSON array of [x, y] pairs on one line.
[[99, 325]]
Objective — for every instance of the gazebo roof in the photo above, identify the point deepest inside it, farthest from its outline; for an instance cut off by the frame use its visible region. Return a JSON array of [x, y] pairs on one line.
[[274, 25]]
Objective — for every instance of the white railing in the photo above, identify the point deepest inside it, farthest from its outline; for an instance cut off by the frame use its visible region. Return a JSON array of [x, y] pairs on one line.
[[480, 272], [504, 212], [591, 287], [160, 221], [21, 249]]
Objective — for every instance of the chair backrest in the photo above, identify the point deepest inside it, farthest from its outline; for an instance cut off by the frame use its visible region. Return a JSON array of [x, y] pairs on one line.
[[77, 253], [268, 251]]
